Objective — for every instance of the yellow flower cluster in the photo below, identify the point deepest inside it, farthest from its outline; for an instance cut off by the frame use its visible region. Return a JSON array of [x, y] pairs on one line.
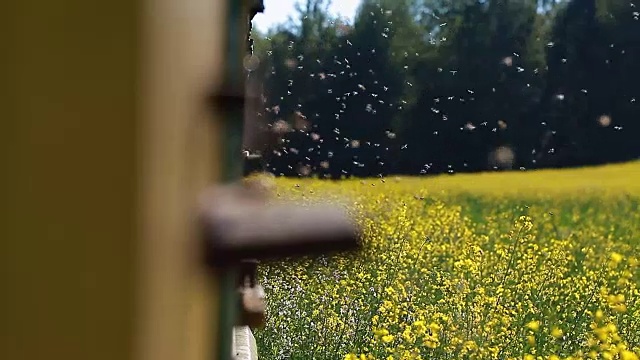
[[451, 274]]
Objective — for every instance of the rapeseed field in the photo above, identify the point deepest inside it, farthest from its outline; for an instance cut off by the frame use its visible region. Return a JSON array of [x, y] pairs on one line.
[[518, 265]]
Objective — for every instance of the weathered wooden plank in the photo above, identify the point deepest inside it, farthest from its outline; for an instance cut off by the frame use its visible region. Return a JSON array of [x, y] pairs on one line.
[[244, 344]]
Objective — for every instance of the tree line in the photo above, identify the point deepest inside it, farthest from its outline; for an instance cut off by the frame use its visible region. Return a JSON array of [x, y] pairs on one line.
[[434, 86]]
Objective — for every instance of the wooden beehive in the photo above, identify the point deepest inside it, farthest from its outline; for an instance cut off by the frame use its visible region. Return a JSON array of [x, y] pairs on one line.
[[111, 138], [108, 140]]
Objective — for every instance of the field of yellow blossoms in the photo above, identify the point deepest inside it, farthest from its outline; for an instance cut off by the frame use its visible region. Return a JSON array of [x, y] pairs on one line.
[[522, 265]]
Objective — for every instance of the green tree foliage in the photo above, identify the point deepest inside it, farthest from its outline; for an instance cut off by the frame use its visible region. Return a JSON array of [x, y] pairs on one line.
[[593, 83], [431, 86]]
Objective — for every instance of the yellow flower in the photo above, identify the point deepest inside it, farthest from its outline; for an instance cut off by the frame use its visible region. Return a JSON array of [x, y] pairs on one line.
[[621, 308], [431, 343], [556, 333], [420, 327], [387, 338], [533, 325], [406, 334], [628, 355], [616, 258], [531, 340], [599, 314], [434, 327], [601, 333], [381, 332], [470, 345]]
